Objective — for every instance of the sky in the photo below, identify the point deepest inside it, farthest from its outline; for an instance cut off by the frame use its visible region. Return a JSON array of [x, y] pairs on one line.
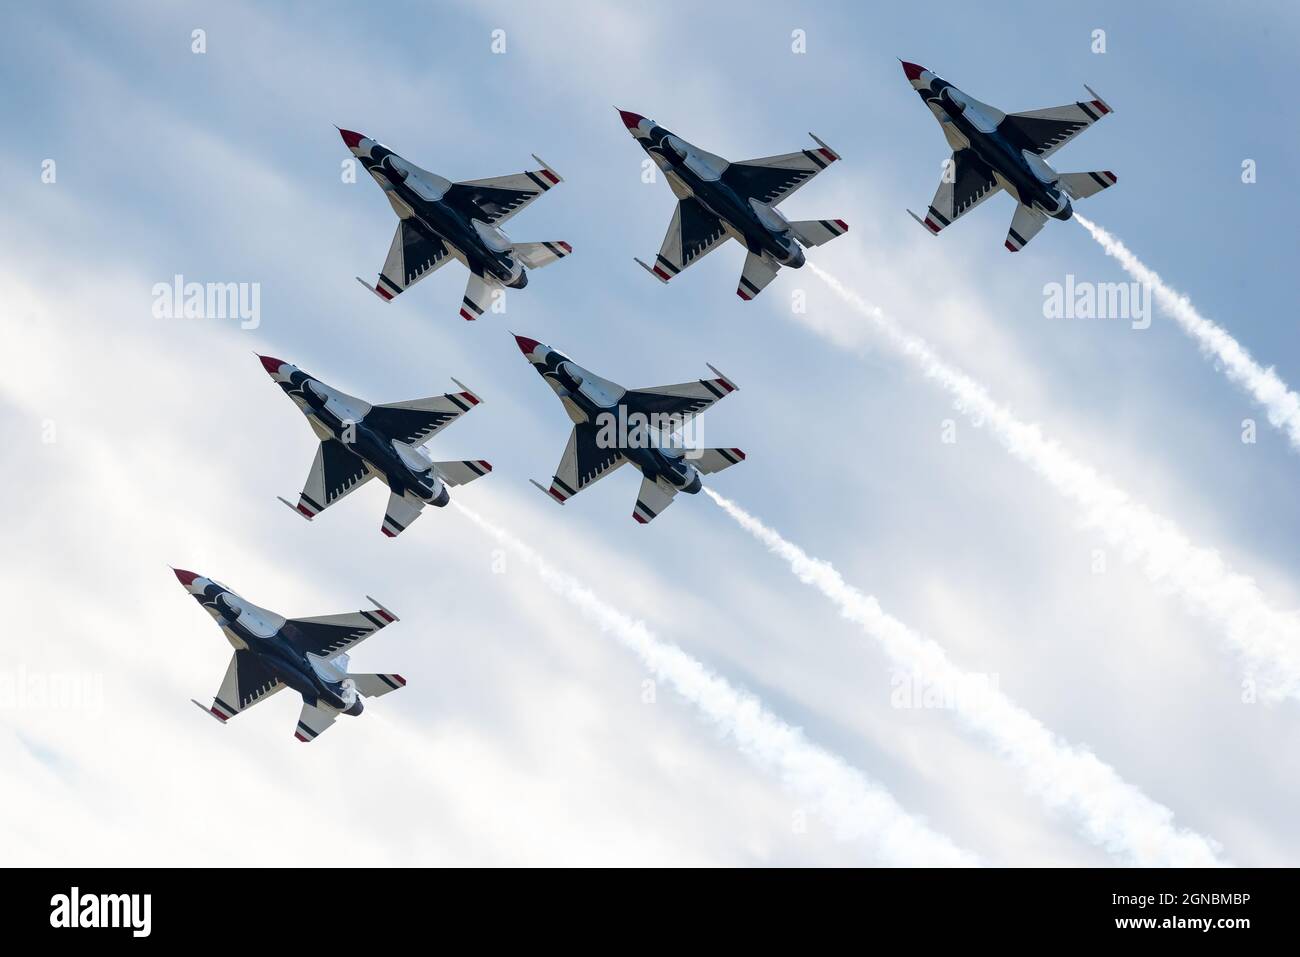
[[526, 734]]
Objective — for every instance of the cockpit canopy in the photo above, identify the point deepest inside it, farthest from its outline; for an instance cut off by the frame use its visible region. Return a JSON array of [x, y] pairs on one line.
[[600, 391], [981, 116], [428, 185], [704, 165], [339, 405]]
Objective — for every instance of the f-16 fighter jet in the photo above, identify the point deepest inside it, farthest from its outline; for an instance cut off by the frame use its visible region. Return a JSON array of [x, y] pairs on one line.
[[309, 655], [993, 150], [718, 200], [614, 425], [441, 220], [360, 441]]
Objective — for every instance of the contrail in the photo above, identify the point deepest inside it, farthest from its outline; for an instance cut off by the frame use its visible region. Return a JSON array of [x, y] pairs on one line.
[[1263, 385], [1110, 812], [855, 807], [1267, 640]]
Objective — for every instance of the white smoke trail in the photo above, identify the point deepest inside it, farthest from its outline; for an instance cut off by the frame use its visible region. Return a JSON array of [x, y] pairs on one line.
[[1110, 812], [1263, 385], [1267, 640], [855, 807]]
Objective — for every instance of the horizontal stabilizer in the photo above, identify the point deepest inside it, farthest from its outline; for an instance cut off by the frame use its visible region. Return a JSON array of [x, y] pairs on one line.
[[709, 461], [1083, 185], [401, 512], [758, 272], [537, 255], [462, 472], [654, 497], [1025, 225], [816, 232], [372, 686], [312, 722], [478, 296]]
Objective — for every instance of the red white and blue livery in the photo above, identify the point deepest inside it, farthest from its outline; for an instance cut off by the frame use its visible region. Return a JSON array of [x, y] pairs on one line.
[[614, 426], [440, 220], [992, 151], [718, 200], [309, 655], [360, 441]]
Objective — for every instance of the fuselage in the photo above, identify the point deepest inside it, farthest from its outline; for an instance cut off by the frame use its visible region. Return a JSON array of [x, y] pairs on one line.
[[647, 444], [484, 247], [761, 228], [1021, 172], [268, 636], [403, 467]]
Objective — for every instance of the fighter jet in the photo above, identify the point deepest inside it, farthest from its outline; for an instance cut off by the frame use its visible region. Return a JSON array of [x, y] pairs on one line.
[[614, 425], [718, 200], [993, 150], [309, 655], [360, 441], [441, 220]]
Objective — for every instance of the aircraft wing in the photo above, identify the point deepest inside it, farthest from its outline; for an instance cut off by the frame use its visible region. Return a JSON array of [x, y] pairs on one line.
[[652, 499], [972, 182], [411, 257], [248, 680], [335, 472], [1046, 131], [772, 179], [678, 402], [418, 420], [498, 198], [693, 232], [583, 462], [331, 635]]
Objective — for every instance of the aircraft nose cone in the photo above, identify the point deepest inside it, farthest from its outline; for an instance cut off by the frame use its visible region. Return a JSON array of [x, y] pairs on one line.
[[527, 346], [911, 69], [184, 577], [271, 364], [630, 120], [350, 138]]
